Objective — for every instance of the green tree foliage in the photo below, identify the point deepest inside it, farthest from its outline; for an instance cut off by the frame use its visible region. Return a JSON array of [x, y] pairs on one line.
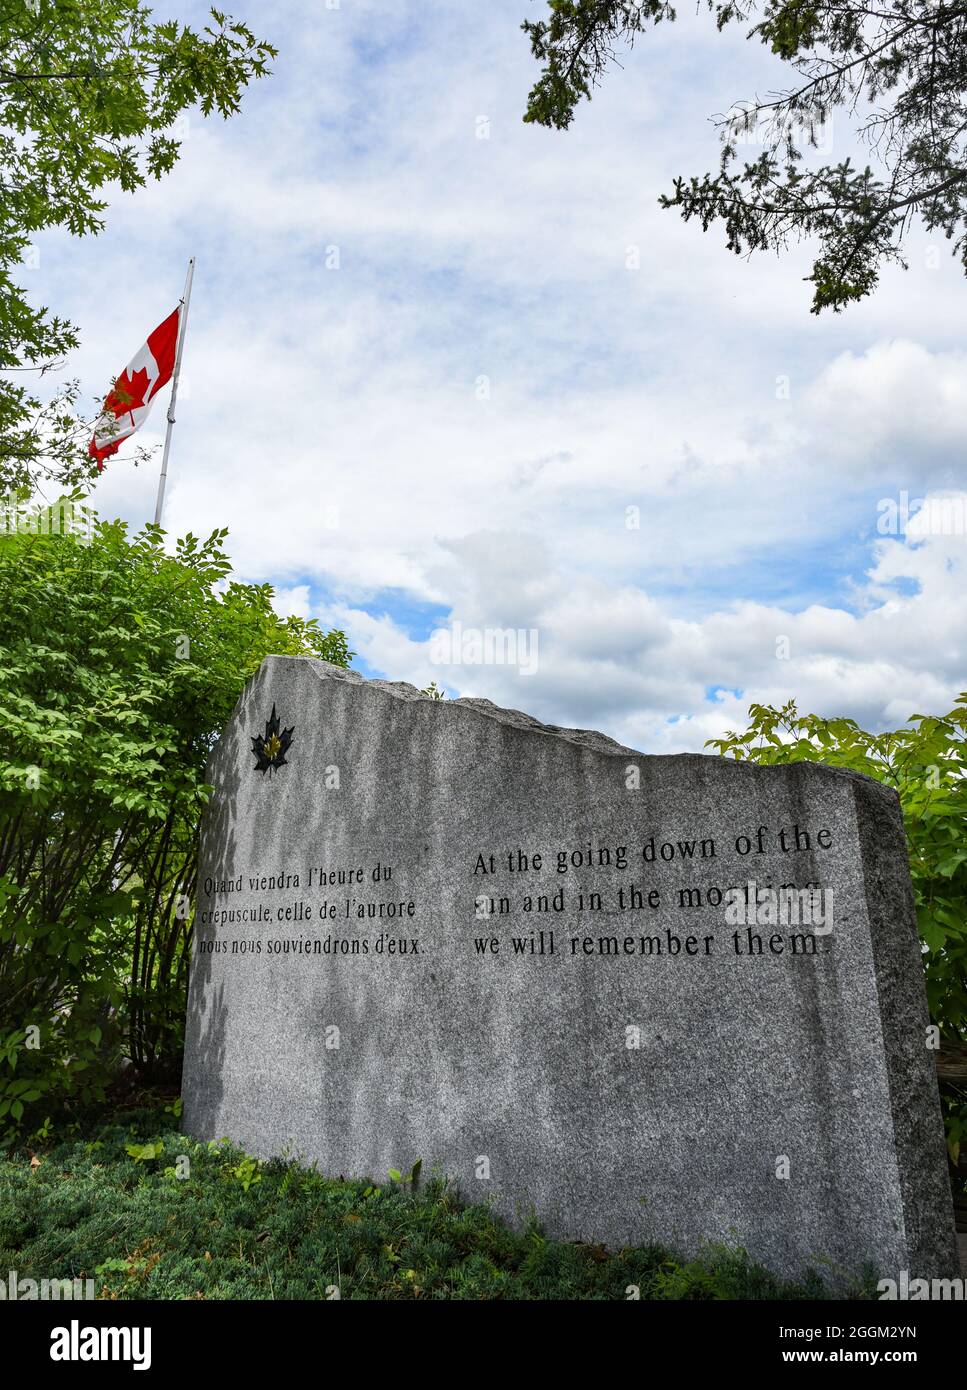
[[926, 765], [91, 92], [119, 664], [900, 67]]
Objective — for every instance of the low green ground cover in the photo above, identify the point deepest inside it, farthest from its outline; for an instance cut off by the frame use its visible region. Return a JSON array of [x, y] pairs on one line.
[[107, 1203]]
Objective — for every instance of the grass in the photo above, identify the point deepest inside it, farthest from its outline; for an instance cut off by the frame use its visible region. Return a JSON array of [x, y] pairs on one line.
[[110, 1206]]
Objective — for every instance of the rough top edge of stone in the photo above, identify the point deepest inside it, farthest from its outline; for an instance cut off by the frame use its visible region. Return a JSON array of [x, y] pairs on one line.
[[583, 738]]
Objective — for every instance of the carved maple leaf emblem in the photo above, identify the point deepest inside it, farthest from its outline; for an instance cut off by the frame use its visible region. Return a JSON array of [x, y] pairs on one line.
[[271, 747]]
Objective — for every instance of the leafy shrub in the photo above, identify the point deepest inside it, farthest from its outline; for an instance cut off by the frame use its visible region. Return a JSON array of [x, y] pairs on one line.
[[119, 664]]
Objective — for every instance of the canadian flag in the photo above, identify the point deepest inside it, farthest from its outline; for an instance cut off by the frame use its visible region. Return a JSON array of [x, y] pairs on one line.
[[128, 404]]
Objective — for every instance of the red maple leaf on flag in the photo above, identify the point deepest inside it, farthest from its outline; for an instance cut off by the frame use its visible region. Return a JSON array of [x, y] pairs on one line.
[[128, 392]]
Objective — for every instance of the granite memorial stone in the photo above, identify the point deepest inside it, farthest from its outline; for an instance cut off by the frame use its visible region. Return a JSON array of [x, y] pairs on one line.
[[648, 998]]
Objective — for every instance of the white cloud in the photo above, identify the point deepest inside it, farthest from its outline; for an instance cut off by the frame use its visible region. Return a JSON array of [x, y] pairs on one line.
[[619, 659], [899, 402], [294, 602]]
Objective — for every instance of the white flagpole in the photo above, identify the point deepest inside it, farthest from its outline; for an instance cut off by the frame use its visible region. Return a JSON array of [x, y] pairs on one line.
[[182, 326]]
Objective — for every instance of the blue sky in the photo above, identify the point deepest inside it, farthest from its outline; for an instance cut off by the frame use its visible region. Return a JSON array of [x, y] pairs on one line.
[[452, 424]]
